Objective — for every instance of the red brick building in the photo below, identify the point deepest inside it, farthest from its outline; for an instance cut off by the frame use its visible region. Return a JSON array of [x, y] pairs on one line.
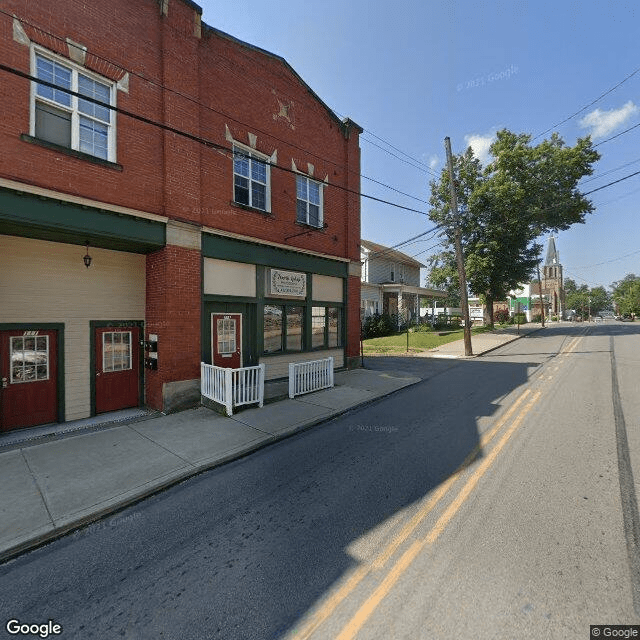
[[212, 191]]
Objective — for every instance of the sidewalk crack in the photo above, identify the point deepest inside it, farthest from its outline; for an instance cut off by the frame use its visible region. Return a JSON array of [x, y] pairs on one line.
[[162, 447], [35, 481]]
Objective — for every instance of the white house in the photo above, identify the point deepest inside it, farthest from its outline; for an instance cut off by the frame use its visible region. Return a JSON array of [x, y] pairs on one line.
[[390, 283]]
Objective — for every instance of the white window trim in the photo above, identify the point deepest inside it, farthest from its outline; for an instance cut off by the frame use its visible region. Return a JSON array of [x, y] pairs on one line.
[[321, 191], [36, 379], [106, 369], [75, 126], [263, 158]]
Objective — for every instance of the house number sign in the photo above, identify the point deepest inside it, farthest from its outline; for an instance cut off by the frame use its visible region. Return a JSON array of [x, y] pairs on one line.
[[287, 283]]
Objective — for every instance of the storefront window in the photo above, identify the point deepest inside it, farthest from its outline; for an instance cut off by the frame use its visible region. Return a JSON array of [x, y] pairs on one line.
[[335, 327], [295, 322], [272, 328], [318, 324]]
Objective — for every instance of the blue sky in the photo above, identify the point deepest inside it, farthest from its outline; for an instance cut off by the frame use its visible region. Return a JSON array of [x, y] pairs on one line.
[[411, 73]]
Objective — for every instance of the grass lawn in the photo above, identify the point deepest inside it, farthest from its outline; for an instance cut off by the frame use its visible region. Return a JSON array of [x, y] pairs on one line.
[[418, 341]]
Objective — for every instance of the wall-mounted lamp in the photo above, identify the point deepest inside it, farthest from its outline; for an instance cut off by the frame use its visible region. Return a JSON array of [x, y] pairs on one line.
[[87, 258]]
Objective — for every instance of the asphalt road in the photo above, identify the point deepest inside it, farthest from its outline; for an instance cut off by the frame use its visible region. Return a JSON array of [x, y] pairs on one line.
[[484, 502]]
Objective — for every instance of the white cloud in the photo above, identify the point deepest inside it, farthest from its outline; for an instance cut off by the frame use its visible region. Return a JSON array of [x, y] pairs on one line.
[[434, 161], [480, 145], [603, 123]]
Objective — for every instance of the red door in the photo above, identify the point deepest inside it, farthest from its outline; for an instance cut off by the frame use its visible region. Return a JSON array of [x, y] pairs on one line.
[[226, 340], [117, 364], [28, 378]]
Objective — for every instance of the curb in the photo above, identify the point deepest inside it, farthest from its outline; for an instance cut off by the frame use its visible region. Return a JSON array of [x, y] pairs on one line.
[[41, 540], [517, 337]]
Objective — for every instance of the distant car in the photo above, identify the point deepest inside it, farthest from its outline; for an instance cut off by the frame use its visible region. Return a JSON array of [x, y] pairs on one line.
[[626, 318]]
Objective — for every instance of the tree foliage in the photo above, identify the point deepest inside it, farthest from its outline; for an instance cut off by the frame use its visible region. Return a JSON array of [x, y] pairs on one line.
[[626, 294], [524, 192], [582, 299]]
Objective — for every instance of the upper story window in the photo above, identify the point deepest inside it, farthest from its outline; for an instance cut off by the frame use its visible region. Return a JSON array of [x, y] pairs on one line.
[[251, 179], [68, 120], [309, 201]]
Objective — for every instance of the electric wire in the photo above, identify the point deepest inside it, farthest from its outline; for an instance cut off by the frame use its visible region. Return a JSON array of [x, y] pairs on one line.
[[604, 186], [220, 113], [606, 93], [606, 173], [635, 126], [388, 250], [189, 136]]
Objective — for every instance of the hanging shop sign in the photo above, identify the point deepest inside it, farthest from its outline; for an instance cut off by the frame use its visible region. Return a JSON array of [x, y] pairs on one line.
[[287, 283]]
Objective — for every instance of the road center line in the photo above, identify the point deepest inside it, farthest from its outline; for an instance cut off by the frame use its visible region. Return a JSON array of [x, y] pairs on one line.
[[408, 529], [350, 631], [361, 572]]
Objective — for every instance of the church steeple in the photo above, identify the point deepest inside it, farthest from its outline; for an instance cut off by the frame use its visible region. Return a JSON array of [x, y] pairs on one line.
[[553, 257], [552, 279]]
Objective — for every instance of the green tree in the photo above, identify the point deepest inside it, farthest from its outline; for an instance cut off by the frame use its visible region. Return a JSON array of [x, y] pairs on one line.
[[525, 192], [626, 294], [576, 298], [583, 298], [599, 300]]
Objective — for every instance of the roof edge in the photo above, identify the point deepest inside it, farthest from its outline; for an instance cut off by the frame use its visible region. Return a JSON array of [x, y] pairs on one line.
[[345, 123]]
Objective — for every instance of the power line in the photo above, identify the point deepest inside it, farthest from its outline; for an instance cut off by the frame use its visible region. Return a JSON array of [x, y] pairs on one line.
[[394, 155], [624, 195], [386, 250], [617, 135], [606, 173], [611, 183], [633, 73], [185, 134], [221, 113], [424, 167], [441, 243], [599, 264]]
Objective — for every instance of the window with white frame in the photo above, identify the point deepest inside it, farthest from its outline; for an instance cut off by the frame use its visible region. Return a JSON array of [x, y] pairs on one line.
[[29, 357], [251, 179], [116, 351], [309, 201], [68, 120]]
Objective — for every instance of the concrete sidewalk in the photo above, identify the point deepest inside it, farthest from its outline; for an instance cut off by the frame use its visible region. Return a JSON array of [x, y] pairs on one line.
[[54, 484], [482, 343], [51, 487]]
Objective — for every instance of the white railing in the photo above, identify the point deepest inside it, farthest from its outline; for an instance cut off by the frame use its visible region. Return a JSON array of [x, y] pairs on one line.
[[232, 387], [305, 377]]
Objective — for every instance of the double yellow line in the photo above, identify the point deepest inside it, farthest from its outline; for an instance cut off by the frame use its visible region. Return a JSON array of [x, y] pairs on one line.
[[528, 399]]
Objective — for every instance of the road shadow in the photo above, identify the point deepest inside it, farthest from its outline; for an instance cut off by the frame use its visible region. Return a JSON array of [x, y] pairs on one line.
[[249, 549]]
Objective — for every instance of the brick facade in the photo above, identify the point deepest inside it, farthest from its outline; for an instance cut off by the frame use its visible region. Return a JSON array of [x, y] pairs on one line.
[[179, 73]]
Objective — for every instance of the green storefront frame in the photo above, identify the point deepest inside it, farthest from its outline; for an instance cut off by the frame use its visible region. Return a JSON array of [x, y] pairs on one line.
[[264, 257]]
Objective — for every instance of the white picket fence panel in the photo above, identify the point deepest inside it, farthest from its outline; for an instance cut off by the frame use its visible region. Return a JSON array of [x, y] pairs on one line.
[[305, 377], [232, 387]]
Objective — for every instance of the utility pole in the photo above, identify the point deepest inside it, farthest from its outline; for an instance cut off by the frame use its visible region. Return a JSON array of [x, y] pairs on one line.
[[462, 276], [541, 302]]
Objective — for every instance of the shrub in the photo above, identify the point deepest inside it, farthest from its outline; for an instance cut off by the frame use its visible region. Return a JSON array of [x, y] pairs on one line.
[[378, 326], [447, 322], [501, 316], [520, 318], [536, 318]]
